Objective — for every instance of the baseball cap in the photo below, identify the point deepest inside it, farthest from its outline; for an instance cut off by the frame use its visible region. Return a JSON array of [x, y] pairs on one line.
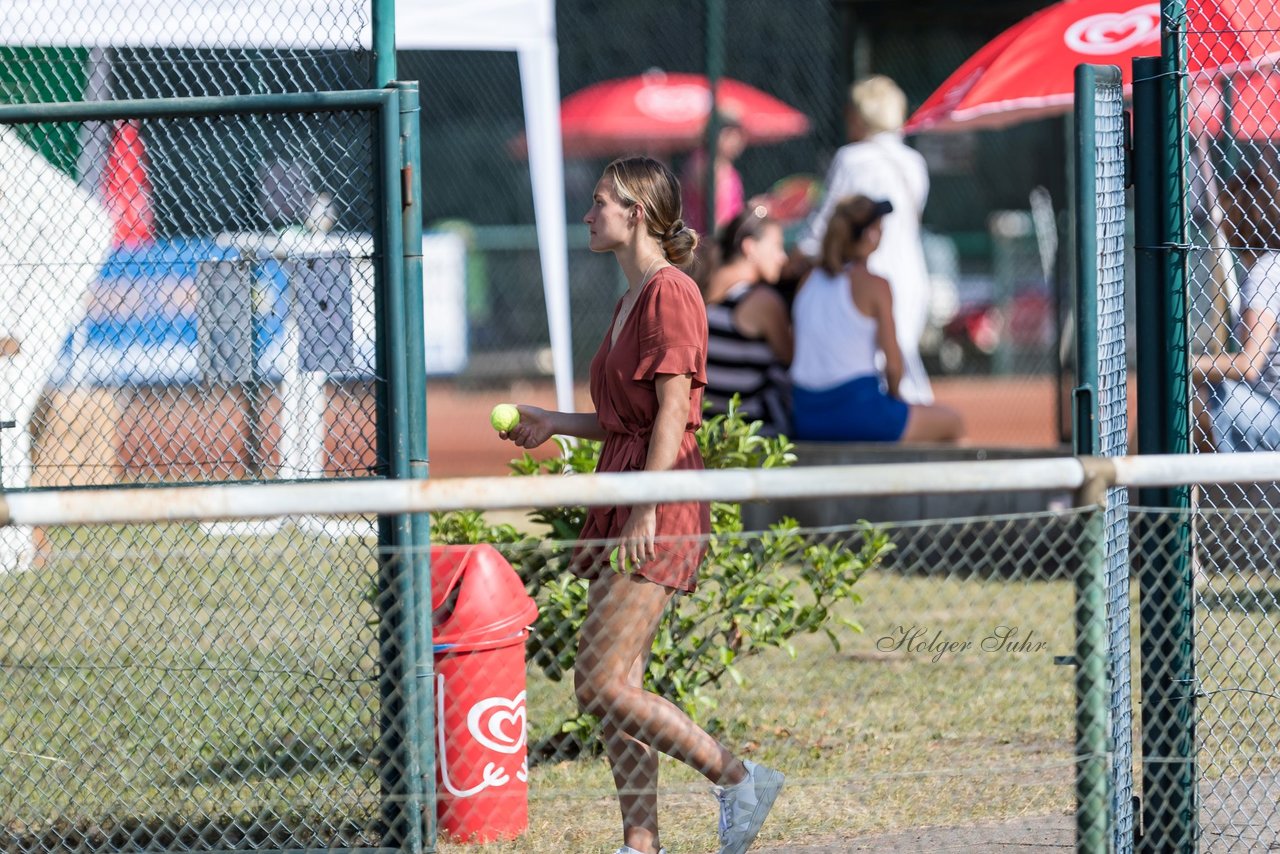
[[866, 211]]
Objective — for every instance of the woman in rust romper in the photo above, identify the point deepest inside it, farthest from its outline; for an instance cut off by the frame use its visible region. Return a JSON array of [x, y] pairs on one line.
[[646, 384]]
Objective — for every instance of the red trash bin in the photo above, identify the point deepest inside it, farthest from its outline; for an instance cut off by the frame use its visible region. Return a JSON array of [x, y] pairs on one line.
[[480, 614]]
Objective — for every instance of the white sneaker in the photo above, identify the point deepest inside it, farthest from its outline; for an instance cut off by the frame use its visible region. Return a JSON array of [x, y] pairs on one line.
[[744, 806]]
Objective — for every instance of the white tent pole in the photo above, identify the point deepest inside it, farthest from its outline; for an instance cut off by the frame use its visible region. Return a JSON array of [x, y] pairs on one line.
[[540, 80]]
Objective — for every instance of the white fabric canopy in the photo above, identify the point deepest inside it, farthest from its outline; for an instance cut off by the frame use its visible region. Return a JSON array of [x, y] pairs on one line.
[[524, 26], [54, 240]]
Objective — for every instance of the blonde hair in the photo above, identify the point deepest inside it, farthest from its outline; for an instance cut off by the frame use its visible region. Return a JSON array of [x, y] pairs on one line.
[[848, 222], [879, 102], [646, 182]]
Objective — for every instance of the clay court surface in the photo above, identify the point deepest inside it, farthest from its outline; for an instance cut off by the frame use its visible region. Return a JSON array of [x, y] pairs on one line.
[[104, 436], [998, 412]]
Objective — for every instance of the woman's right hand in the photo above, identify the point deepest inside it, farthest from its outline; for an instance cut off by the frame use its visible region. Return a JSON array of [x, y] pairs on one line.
[[535, 427]]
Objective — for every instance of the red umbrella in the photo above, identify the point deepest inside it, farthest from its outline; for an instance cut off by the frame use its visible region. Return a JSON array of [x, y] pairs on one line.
[[1027, 71], [658, 112]]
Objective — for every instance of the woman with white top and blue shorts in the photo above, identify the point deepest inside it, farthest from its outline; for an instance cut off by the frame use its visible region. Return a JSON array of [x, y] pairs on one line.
[[843, 316], [1241, 390]]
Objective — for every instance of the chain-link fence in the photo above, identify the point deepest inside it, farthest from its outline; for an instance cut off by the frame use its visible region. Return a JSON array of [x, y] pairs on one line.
[[205, 282], [1233, 220], [1237, 604], [192, 290], [478, 189], [949, 680], [221, 341], [223, 692], [234, 351], [1102, 396], [142, 49], [477, 177], [124, 49], [1231, 771], [213, 688], [920, 684], [1002, 272], [225, 348], [169, 688], [1232, 229]]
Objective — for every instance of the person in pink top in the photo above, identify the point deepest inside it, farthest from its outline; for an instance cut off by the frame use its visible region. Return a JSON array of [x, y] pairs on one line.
[[730, 196], [646, 384]]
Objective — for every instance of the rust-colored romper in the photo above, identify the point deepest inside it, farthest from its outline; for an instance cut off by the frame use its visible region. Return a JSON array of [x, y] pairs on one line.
[[666, 333]]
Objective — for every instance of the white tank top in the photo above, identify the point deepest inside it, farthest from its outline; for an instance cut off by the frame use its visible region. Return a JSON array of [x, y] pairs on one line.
[[835, 342]]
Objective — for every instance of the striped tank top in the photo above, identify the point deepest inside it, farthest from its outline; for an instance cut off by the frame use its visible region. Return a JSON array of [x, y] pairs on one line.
[[738, 363]]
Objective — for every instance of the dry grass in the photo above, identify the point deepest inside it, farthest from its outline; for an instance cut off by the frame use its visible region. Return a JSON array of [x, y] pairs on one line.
[[871, 739]]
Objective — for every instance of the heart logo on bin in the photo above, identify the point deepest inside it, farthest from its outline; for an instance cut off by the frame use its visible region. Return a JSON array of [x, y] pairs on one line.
[[499, 723]]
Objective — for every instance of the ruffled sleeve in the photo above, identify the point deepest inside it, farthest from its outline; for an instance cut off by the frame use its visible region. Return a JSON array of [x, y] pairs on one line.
[[672, 330]]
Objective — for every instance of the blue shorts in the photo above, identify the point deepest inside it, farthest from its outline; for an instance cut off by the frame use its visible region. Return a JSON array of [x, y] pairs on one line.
[[856, 411], [1245, 418]]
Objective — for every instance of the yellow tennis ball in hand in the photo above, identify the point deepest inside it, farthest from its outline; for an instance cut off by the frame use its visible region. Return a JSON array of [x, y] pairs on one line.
[[504, 417]]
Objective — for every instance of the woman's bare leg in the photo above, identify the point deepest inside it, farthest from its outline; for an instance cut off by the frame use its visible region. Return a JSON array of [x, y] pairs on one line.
[[635, 775], [623, 614], [932, 423]]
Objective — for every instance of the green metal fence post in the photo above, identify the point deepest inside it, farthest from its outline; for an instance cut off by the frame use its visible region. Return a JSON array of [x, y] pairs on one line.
[[1093, 789], [401, 777], [383, 25], [400, 771], [1173, 154], [419, 548], [1084, 395], [1101, 422], [1093, 798], [1169, 820], [715, 70]]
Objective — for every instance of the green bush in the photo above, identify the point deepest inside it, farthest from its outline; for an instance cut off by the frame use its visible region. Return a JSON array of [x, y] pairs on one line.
[[754, 592]]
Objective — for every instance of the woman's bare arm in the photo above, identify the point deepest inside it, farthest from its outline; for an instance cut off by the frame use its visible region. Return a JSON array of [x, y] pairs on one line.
[[537, 425], [668, 428], [887, 335], [1248, 364]]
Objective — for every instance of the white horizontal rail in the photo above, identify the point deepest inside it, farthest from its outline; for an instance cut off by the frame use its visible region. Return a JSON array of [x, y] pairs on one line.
[[1185, 469], [318, 498], [141, 504]]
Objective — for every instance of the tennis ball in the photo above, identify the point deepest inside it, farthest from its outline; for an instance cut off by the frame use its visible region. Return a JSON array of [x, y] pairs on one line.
[[504, 417]]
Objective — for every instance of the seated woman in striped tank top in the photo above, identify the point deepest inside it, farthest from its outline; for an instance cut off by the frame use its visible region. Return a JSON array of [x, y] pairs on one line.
[[843, 315], [749, 341]]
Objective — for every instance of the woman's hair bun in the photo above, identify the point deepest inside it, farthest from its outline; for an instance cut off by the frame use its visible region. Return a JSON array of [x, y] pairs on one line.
[[678, 243]]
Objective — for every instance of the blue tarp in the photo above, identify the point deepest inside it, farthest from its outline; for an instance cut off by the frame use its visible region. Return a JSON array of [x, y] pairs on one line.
[[141, 326]]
